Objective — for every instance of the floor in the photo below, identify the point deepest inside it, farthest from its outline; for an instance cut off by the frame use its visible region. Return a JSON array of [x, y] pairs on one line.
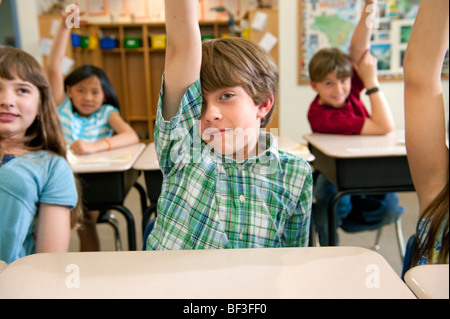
[[388, 244]]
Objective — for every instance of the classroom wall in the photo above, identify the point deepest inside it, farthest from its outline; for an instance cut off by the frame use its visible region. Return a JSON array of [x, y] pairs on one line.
[[27, 20], [294, 98]]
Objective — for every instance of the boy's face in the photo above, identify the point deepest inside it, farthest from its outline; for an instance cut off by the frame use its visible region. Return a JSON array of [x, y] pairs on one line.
[[333, 91], [230, 121]]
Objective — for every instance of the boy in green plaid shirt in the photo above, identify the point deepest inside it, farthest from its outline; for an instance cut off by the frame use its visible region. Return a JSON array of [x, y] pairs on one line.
[[226, 184]]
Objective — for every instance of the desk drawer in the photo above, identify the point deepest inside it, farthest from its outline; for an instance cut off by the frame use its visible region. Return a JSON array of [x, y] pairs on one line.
[[107, 188], [361, 173]]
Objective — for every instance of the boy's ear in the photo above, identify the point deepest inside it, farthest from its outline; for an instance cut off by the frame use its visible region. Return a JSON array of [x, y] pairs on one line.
[[265, 107], [313, 85]]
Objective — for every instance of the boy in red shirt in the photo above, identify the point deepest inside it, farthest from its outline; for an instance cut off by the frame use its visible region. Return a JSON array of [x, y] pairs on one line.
[[338, 79]]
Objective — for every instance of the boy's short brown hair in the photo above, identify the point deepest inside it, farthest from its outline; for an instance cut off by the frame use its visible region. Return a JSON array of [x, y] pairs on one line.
[[330, 60], [233, 62]]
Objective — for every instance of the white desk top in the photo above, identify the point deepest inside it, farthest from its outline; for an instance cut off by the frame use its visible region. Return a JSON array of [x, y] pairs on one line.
[[289, 145], [354, 146], [148, 160], [429, 281], [116, 160], [316, 272]]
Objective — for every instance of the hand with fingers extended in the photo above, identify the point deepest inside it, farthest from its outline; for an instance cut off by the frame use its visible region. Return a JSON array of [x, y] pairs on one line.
[[366, 68]]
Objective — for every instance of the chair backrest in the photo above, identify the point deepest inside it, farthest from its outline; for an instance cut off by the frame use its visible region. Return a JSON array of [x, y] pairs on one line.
[[411, 247], [147, 231]]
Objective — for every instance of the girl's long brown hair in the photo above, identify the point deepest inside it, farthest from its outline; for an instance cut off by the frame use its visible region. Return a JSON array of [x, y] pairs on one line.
[[433, 218], [45, 132]]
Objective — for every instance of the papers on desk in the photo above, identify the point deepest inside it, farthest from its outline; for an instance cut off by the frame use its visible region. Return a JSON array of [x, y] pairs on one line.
[[300, 150], [97, 160]]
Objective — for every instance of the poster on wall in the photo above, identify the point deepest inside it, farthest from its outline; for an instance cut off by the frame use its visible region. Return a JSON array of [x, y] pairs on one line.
[[117, 7], [330, 23], [138, 9], [97, 7]]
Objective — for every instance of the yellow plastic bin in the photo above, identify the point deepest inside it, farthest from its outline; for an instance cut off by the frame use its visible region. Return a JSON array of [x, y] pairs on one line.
[[158, 41], [93, 43]]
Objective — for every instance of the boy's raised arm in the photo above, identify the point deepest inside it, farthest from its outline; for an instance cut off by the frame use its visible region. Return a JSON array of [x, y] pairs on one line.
[[361, 36], [424, 100], [183, 52]]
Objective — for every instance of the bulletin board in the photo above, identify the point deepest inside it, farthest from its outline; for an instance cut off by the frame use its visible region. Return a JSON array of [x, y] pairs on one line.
[[330, 23]]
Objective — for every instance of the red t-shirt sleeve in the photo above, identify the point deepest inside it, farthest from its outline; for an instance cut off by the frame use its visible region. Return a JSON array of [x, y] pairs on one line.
[[357, 85]]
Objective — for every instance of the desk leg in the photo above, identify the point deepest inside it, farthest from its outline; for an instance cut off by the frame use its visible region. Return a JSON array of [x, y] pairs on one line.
[[332, 225], [142, 195]]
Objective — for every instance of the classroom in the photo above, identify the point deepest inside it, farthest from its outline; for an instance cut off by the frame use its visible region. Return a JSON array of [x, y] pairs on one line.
[[122, 181]]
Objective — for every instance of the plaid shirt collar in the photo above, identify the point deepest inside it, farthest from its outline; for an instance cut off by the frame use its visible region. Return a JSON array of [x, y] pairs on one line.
[[267, 161]]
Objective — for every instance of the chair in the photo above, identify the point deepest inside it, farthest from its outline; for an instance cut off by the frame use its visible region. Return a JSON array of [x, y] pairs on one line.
[[399, 233], [349, 228], [109, 218], [147, 231], [411, 247], [400, 237]]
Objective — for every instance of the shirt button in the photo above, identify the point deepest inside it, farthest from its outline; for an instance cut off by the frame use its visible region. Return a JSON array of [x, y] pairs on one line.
[[242, 198], [240, 167]]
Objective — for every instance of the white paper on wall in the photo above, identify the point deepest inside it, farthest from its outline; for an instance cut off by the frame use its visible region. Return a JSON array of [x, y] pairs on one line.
[[268, 42], [45, 46], [66, 65], [259, 21]]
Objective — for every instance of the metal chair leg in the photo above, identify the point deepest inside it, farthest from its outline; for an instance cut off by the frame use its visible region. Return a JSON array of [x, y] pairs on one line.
[[112, 220], [400, 237], [376, 246]]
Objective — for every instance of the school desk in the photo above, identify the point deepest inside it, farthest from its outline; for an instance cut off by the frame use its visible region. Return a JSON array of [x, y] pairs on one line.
[[360, 164], [106, 178], [261, 273], [148, 163], [429, 281]]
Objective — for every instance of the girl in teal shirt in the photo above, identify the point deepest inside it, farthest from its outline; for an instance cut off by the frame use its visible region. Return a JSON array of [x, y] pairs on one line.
[[38, 193]]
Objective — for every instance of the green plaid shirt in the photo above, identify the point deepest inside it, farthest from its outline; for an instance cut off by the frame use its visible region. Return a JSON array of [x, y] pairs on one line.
[[211, 201]]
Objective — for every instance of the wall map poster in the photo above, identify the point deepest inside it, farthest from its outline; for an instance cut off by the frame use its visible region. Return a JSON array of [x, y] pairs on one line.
[[330, 23]]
